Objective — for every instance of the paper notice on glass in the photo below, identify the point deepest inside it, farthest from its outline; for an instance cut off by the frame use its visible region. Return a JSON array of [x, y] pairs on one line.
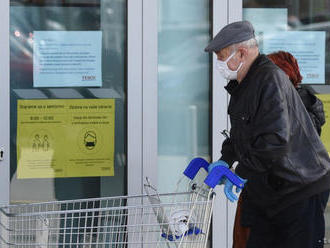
[[65, 138], [67, 58], [307, 46]]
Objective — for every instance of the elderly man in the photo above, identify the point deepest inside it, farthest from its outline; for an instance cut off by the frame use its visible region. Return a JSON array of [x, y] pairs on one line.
[[277, 148]]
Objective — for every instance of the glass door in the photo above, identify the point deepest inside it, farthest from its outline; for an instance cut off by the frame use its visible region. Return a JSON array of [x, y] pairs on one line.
[[67, 99], [183, 88]]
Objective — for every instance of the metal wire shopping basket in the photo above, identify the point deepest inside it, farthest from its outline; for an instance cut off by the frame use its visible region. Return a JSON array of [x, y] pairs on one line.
[[180, 219]]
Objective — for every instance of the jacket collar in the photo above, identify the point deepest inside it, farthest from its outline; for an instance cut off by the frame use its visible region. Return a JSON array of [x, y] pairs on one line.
[[233, 87]]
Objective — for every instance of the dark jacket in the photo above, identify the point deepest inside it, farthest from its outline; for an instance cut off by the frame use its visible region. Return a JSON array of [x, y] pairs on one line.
[[274, 140], [314, 107]]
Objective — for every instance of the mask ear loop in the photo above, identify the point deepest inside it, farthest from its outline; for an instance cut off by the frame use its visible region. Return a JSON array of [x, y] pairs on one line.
[[230, 56], [240, 65]]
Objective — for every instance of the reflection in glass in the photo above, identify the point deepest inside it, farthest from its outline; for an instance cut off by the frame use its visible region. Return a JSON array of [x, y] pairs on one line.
[[183, 88], [303, 15]]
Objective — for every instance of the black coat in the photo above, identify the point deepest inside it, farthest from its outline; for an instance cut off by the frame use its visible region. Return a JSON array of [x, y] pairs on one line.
[[314, 107], [274, 140]]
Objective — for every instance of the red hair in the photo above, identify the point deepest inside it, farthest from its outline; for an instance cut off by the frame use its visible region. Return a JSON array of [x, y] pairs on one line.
[[288, 64]]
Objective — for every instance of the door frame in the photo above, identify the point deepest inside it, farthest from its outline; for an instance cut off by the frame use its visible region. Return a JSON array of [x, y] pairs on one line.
[[219, 123], [142, 89], [134, 97], [224, 12], [235, 13], [4, 103]]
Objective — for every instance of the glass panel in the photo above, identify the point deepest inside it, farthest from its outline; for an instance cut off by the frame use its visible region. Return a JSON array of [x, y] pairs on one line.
[[183, 88], [297, 19], [311, 46], [107, 16]]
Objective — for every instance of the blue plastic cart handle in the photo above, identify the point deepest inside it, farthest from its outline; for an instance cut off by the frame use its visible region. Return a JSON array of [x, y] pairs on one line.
[[218, 172], [194, 166]]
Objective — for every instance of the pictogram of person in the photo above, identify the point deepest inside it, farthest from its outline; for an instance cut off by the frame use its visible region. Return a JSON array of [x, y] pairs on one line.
[[45, 143], [36, 143]]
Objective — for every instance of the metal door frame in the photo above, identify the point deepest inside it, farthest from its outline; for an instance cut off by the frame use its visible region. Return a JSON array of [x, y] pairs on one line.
[[4, 102], [142, 93], [134, 96], [224, 12]]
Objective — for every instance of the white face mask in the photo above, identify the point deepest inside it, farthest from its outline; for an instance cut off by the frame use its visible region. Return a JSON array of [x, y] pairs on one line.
[[224, 69]]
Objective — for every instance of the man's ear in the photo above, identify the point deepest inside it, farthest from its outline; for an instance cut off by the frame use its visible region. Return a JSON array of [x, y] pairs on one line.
[[243, 52]]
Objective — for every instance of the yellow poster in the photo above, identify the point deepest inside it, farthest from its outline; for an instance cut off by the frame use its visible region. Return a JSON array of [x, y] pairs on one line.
[[65, 138], [325, 134]]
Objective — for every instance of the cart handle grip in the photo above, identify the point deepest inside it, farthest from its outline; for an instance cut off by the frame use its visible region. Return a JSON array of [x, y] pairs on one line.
[[218, 173], [194, 166]]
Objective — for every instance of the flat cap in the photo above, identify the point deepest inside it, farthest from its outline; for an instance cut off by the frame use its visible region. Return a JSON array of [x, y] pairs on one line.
[[231, 34]]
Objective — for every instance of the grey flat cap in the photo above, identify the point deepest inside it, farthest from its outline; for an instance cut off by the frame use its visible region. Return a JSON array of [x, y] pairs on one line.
[[231, 34]]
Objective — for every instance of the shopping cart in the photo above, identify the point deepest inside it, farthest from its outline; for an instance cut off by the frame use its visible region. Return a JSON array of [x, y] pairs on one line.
[[180, 219]]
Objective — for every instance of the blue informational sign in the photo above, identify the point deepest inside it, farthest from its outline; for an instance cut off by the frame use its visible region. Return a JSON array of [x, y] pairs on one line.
[[307, 46], [67, 59]]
